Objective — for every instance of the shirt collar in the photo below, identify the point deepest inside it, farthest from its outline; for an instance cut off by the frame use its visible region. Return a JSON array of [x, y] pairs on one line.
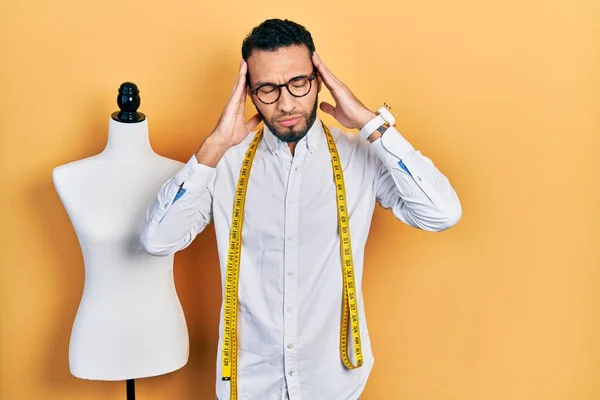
[[310, 140]]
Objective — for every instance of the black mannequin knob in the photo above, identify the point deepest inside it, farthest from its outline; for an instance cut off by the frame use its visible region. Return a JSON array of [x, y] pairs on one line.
[[128, 101]]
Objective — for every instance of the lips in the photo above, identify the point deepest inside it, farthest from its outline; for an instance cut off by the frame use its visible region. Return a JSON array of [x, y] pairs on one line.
[[290, 121]]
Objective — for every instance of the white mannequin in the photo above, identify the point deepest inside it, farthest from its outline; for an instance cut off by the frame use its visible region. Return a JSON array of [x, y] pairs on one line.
[[130, 323]]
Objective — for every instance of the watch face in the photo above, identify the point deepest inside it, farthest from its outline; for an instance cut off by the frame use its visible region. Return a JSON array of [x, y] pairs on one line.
[[383, 128]]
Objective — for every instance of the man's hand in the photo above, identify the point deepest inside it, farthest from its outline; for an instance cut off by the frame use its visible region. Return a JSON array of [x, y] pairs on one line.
[[348, 110], [231, 129]]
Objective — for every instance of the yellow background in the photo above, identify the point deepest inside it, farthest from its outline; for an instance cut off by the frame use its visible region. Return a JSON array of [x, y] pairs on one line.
[[504, 96]]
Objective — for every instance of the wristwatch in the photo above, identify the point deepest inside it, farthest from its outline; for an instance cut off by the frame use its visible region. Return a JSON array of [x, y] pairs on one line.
[[386, 114], [381, 123]]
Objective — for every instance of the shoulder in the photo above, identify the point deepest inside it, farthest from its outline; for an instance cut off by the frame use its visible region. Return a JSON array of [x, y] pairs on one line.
[[166, 164], [238, 151], [346, 140], [66, 171], [168, 161], [355, 151]]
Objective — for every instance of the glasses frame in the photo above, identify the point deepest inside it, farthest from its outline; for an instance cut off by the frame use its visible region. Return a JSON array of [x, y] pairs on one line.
[[310, 78]]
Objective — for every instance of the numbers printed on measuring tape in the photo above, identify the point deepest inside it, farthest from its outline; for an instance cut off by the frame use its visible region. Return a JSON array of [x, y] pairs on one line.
[[349, 303]]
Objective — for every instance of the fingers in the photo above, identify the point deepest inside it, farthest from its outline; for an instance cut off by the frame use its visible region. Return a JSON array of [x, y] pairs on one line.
[[253, 122], [241, 82], [322, 71], [330, 80], [239, 87], [238, 78], [241, 105], [327, 108]]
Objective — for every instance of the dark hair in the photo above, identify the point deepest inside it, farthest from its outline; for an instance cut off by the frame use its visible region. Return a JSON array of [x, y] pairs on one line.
[[273, 34]]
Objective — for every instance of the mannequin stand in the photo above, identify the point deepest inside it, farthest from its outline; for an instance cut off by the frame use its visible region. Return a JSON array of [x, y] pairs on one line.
[[130, 389]]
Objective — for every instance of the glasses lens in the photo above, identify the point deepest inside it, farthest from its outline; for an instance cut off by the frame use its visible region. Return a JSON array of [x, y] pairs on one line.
[[299, 86], [268, 93]]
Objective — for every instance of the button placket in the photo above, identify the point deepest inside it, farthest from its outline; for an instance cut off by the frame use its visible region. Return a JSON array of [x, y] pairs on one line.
[[291, 288]]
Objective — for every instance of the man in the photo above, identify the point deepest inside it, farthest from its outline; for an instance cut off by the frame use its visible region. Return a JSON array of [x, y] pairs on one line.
[[292, 277]]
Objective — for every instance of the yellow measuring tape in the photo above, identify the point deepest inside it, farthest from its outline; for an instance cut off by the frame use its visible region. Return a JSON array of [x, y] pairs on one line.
[[349, 306]]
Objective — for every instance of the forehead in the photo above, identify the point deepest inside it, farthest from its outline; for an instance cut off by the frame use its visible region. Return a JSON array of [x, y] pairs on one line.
[[279, 66]]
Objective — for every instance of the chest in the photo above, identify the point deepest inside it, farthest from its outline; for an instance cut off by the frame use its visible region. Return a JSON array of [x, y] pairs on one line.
[[108, 204], [295, 196]]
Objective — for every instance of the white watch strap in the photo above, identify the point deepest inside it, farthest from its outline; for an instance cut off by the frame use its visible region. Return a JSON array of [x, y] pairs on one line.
[[387, 116], [371, 126]]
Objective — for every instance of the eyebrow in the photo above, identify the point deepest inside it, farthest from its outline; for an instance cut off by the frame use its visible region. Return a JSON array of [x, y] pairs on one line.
[[260, 83]]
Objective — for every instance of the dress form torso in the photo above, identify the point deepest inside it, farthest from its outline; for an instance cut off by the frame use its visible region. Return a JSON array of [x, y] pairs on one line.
[[130, 323]]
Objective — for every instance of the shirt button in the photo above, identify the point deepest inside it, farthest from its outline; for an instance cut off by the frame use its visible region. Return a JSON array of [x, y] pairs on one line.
[[290, 273], [288, 167], [290, 201], [289, 308], [290, 237], [291, 373], [290, 346]]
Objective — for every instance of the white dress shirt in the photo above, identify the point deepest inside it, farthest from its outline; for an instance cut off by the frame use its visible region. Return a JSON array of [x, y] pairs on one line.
[[290, 288]]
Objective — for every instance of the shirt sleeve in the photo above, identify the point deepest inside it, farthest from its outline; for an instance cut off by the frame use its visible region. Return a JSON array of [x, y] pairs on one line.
[[411, 186], [180, 211]]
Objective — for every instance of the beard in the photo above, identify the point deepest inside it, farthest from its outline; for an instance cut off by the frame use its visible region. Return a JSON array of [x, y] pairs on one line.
[[293, 133]]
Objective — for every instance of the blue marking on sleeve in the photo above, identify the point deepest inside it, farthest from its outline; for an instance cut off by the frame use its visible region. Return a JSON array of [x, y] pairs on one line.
[[179, 194], [401, 164]]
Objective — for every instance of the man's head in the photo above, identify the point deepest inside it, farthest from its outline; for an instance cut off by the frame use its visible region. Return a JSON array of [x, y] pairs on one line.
[[280, 52]]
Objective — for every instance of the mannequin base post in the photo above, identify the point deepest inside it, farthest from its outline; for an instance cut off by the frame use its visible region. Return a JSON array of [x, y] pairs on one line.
[[130, 389]]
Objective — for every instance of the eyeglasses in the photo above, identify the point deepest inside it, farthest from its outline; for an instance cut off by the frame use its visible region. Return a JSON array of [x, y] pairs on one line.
[[299, 86]]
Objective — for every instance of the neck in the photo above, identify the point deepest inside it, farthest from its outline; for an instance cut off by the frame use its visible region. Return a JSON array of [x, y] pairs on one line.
[[128, 140], [292, 146]]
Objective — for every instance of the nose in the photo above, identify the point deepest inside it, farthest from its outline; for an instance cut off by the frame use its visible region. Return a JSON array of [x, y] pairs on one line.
[[286, 103]]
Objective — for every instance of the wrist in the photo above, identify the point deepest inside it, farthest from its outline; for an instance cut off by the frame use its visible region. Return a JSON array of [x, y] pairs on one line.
[[374, 136], [211, 151], [364, 118], [375, 127], [218, 140]]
